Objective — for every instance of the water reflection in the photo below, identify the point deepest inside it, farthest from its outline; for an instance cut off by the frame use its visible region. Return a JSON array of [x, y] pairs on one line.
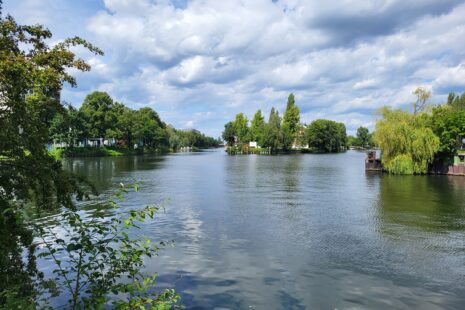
[[101, 170], [303, 231], [430, 203]]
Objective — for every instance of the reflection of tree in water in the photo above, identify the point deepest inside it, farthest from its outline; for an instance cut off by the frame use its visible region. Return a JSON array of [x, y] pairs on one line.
[[431, 203], [101, 170], [291, 173], [263, 179]]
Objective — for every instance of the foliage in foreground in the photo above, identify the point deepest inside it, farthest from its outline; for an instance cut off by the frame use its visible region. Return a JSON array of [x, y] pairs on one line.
[[93, 257], [32, 75], [97, 262]]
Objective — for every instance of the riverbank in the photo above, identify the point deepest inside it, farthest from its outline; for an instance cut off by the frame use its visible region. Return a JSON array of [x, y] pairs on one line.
[[59, 153]]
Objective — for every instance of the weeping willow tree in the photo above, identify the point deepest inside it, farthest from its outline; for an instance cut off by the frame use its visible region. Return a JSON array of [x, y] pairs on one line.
[[406, 140]]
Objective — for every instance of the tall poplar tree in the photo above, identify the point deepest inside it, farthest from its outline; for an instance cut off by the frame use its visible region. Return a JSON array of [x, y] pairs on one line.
[[291, 122], [257, 128], [273, 131], [291, 115]]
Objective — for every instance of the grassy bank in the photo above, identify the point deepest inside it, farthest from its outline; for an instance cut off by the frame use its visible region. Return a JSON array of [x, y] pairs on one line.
[[59, 153]]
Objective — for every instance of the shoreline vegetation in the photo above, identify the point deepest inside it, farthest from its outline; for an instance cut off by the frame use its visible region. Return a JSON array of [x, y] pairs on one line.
[[104, 127], [429, 140], [288, 135], [92, 262], [108, 151], [425, 141], [246, 150]]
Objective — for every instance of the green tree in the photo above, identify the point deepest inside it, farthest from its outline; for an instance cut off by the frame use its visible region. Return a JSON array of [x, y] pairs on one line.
[[241, 128], [291, 118], [456, 102], [448, 123], [352, 141], [99, 114], [257, 128], [32, 75], [326, 135], [406, 140], [273, 131], [149, 129], [229, 133], [301, 136], [363, 137], [67, 126], [126, 125]]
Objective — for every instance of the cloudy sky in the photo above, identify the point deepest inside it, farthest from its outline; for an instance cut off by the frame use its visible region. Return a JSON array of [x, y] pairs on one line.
[[199, 62]]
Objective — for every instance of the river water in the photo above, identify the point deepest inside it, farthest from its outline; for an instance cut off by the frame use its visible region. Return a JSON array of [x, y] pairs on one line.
[[299, 231]]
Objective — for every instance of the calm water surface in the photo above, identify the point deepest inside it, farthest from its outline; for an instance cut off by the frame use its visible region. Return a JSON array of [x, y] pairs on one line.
[[296, 231]]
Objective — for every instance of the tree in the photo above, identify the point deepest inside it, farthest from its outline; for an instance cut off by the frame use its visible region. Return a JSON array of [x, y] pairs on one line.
[[448, 123], [126, 125], [67, 126], [363, 137], [241, 128], [422, 97], [407, 142], [301, 136], [100, 115], [32, 75], [456, 102], [291, 118], [352, 141], [149, 129], [257, 128], [229, 133], [327, 136], [273, 131], [290, 124]]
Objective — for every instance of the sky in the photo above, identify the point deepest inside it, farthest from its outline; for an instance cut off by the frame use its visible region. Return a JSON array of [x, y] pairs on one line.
[[200, 62]]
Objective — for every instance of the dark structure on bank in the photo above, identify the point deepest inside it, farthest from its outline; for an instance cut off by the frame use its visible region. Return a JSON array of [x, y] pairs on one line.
[[372, 163], [453, 165]]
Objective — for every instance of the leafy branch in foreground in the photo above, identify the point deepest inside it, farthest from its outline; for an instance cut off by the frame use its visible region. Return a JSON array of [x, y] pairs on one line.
[[98, 262]]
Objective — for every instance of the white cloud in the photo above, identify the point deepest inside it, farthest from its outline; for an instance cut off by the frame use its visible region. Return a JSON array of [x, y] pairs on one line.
[[343, 59], [451, 77]]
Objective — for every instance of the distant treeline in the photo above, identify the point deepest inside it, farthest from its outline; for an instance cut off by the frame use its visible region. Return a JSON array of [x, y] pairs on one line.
[[102, 117], [286, 133]]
